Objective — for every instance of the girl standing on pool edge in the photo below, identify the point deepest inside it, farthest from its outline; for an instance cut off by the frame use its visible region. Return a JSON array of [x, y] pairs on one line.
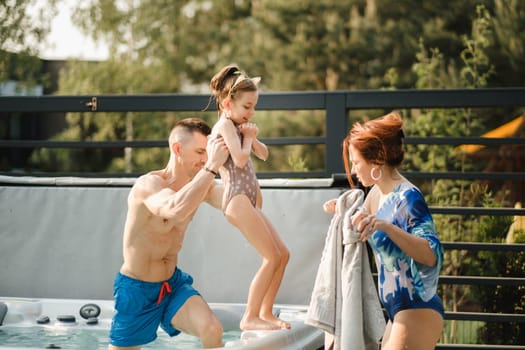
[[236, 96]]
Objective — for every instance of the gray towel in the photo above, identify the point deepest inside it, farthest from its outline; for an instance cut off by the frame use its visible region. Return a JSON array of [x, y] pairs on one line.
[[344, 299]]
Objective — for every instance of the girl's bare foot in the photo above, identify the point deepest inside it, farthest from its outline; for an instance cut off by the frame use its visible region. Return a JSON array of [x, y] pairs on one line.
[[257, 324], [277, 322]]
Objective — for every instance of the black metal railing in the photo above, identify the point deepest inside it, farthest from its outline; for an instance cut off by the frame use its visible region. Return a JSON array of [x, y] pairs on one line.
[[336, 104]]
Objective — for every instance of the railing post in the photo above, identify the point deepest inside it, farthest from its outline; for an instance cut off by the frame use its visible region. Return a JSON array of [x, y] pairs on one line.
[[336, 130]]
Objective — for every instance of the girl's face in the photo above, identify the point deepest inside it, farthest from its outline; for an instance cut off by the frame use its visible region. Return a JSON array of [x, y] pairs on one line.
[[242, 108], [360, 167]]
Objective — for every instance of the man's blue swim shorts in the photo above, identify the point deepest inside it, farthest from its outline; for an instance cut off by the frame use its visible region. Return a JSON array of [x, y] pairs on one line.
[[140, 307]]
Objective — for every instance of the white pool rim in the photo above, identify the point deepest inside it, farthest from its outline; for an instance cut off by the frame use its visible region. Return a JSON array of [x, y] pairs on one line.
[[23, 312]]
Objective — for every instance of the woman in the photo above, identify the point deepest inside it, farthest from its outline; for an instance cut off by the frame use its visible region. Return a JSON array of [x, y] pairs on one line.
[[236, 95], [398, 225]]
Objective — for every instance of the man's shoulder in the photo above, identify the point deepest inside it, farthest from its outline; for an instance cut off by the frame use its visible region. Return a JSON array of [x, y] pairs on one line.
[[152, 176], [149, 182]]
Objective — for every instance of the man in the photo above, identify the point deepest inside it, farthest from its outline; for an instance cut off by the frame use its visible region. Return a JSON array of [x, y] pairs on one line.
[[150, 289]]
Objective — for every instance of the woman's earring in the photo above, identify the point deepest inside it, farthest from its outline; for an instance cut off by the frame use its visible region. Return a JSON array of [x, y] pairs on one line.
[[376, 178]]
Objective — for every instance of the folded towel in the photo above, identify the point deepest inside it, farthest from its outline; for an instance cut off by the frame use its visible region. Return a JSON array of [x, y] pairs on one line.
[[344, 300]]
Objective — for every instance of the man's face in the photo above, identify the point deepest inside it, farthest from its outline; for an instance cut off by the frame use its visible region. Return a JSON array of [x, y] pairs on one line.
[[193, 154]]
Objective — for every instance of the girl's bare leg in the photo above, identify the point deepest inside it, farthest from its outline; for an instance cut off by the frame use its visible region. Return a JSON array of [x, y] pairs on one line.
[[269, 299], [417, 329], [241, 213]]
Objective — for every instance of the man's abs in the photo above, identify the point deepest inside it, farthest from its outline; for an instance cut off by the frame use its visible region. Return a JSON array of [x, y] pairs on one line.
[[148, 268]]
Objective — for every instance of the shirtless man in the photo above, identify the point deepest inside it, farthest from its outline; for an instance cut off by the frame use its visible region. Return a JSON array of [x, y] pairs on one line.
[[150, 289]]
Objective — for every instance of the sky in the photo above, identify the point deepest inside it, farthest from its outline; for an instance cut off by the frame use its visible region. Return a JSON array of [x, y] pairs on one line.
[[65, 41]]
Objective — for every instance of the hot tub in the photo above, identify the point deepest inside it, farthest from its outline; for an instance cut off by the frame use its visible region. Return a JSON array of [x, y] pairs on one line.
[[84, 324]]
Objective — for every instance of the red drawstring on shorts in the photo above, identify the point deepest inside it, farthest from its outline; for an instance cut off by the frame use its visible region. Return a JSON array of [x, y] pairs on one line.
[[164, 289]]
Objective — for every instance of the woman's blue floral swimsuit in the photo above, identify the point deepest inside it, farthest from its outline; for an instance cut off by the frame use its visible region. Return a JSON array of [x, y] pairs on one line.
[[403, 282]]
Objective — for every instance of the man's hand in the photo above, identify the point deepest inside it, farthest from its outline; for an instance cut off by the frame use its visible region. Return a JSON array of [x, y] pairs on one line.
[[217, 152]]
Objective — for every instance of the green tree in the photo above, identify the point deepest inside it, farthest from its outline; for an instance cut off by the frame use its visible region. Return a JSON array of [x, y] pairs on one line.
[[18, 34], [508, 49]]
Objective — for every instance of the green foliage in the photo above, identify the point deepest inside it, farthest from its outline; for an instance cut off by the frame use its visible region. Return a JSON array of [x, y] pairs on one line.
[[473, 72], [18, 34], [273, 124], [498, 299], [477, 68], [508, 48], [297, 163]]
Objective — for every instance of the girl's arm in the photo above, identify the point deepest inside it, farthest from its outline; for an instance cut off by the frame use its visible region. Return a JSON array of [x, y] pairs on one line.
[[240, 153], [259, 149]]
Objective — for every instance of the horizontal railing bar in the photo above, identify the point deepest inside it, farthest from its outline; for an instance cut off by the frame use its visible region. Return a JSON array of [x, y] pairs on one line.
[[478, 211], [261, 175], [449, 98], [456, 175], [479, 346], [140, 144], [367, 99], [464, 140], [290, 174], [275, 141], [514, 247], [294, 140], [476, 280], [81, 144], [484, 316], [154, 102]]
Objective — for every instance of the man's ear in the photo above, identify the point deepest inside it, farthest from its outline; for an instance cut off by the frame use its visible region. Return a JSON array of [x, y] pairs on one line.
[[176, 148]]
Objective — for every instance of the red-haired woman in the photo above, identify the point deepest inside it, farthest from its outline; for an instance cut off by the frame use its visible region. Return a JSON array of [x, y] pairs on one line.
[[398, 225]]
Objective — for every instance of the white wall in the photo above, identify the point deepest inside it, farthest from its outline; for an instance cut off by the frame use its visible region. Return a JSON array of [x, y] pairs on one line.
[[65, 242]]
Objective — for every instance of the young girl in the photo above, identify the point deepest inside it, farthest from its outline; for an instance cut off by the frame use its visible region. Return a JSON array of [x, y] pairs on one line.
[[236, 96]]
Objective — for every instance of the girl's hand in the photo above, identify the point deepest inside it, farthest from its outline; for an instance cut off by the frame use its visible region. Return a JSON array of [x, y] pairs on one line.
[[329, 206], [249, 130]]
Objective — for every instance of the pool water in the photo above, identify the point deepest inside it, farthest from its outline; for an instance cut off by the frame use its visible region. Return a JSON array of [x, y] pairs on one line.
[[90, 339]]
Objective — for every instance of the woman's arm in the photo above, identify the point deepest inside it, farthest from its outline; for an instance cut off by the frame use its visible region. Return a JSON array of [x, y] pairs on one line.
[[414, 216], [418, 248]]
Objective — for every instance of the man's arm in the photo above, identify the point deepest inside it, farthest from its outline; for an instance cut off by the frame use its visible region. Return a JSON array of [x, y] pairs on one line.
[[178, 205], [181, 204], [214, 197]]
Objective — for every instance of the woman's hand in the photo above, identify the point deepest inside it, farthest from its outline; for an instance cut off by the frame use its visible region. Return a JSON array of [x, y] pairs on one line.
[[364, 223], [329, 206]]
